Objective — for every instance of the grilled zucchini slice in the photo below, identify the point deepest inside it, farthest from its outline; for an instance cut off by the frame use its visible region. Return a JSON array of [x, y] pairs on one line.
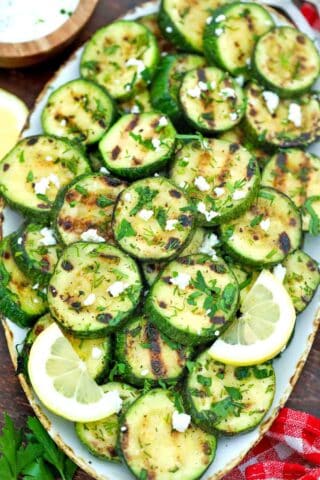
[[266, 233], [286, 61], [211, 100], [94, 288], [151, 447], [141, 103], [152, 219], [79, 110], [34, 171], [311, 215], [295, 173], [36, 252], [138, 145], [167, 82], [20, 300], [222, 179], [294, 123], [183, 23], [237, 135], [226, 399], [152, 270], [194, 299], [148, 355], [121, 57], [84, 208], [230, 37], [302, 278], [151, 22], [100, 437]]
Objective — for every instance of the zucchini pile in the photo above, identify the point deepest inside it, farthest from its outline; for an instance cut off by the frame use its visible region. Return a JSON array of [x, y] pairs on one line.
[[167, 176]]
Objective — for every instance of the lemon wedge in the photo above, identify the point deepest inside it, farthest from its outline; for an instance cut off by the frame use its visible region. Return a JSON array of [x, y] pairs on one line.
[[61, 381], [262, 330], [13, 115]]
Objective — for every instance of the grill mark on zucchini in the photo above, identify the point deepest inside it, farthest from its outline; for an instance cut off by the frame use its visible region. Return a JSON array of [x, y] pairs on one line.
[[115, 152], [284, 242]]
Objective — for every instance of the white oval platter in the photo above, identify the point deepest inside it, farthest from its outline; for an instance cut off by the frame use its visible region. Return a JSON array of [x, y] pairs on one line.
[[288, 366]]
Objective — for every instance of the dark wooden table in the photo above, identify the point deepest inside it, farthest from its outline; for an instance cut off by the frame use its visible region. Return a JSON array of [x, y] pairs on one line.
[[27, 84]]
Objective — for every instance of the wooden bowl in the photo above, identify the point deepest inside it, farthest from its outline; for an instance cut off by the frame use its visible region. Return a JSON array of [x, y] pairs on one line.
[[23, 54]]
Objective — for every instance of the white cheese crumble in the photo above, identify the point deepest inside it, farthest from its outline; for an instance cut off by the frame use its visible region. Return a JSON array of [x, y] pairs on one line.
[[217, 333], [127, 197], [35, 286], [220, 18], [91, 298], [228, 92], [124, 428], [116, 288], [20, 241], [279, 272], [240, 80], [203, 86], [63, 122], [209, 214], [213, 85], [135, 109], [248, 62], [233, 116], [42, 185], [194, 92], [48, 158], [114, 400], [48, 237], [145, 214], [144, 372], [127, 87], [208, 20], [163, 122], [218, 32], [182, 184], [156, 143], [96, 353], [201, 184], [91, 235], [238, 195], [208, 243], [135, 62], [170, 225], [182, 280], [219, 191], [104, 170], [272, 101], [295, 114], [265, 224], [180, 421], [169, 29]]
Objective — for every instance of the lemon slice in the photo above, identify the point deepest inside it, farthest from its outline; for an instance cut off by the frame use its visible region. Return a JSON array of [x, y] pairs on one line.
[[13, 115], [264, 327], [62, 383]]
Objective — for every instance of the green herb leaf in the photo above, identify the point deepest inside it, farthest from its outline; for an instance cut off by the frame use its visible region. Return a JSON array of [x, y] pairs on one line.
[[161, 217], [103, 201], [242, 372], [234, 393], [256, 220], [125, 230], [206, 381], [266, 195], [146, 195]]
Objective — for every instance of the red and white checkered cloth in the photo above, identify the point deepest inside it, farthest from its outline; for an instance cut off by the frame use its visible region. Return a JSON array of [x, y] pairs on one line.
[[290, 450]]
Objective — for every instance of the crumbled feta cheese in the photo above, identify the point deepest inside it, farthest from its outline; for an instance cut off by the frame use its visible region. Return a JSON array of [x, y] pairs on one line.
[[116, 288], [135, 62], [63, 122], [194, 92], [124, 428], [135, 109], [169, 29], [144, 372], [156, 174], [279, 272], [145, 214], [20, 241], [201, 207], [265, 224], [201, 184], [272, 101], [127, 197], [233, 116], [208, 20], [218, 32], [248, 62], [156, 143], [217, 333], [53, 178], [163, 122], [182, 280], [220, 18], [42, 185], [295, 114], [91, 235], [48, 158], [203, 86], [96, 353], [240, 80], [210, 241], [104, 170], [48, 237], [127, 87], [213, 85], [182, 184], [170, 225], [164, 54], [114, 400], [180, 421], [228, 92], [91, 298], [219, 191], [35, 286], [238, 195]]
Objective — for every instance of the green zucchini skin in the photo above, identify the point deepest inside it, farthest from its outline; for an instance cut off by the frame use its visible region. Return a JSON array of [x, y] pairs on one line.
[[26, 165], [302, 278], [273, 243], [187, 454], [235, 28], [108, 46], [100, 438], [137, 134], [19, 302], [27, 250], [79, 110], [106, 287], [148, 355], [311, 215], [279, 44], [175, 310], [165, 85], [250, 395]]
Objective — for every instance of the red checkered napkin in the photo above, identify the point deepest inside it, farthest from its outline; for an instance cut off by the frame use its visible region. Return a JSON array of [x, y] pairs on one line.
[[290, 450]]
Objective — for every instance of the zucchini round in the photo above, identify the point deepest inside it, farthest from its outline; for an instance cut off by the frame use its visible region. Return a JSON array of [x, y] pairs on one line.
[[266, 233], [138, 145], [211, 101], [85, 206], [94, 289], [152, 219], [151, 447], [194, 299], [222, 180], [286, 61], [151, 22], [79, 110], [100, 437], [34, 171], [226, 399], [230, 37], [121, 57]]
